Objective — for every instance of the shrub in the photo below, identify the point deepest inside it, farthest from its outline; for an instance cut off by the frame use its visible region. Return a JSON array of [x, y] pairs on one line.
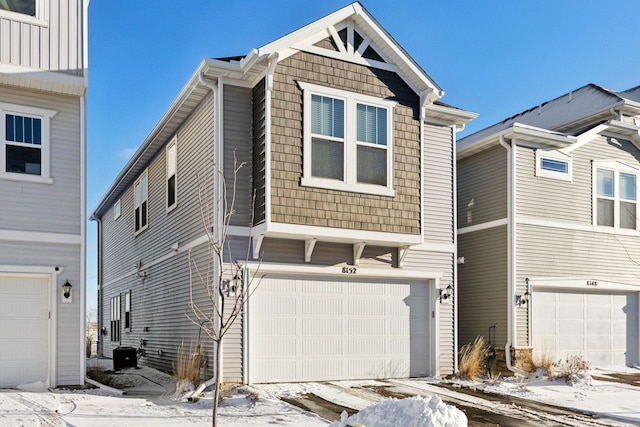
[[188, 365], [570, 366], [546, 360], [472, 359]]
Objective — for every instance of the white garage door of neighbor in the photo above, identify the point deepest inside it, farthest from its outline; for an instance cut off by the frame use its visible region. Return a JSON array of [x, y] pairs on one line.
[[601, 326], [24, 330], [316, 329]]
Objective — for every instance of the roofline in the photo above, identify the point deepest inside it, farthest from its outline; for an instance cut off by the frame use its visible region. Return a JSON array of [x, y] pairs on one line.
[[519, 132], [457, 116]]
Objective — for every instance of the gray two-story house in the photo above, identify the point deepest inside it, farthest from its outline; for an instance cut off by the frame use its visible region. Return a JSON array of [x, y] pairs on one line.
[[345, 206], [43, 82], [548, 229]]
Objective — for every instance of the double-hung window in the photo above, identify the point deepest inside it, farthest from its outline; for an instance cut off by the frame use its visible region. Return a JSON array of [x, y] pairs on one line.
[[348, 141], [127, 311], [141, 213], [172, 190], [115, 318], [25, 145], [616, 194]]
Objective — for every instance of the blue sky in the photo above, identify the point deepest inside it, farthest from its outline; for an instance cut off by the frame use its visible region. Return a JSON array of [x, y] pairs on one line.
[[495, 58]]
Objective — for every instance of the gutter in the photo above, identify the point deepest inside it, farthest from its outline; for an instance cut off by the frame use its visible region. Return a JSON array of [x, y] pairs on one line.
[[511, 257]]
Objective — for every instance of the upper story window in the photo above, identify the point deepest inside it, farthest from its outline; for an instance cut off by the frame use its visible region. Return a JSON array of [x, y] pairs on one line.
[[26, 7], [172, 190], [25, 146], [616, 195], [348, 138], [116, 210], [553, 164], [141, 213]]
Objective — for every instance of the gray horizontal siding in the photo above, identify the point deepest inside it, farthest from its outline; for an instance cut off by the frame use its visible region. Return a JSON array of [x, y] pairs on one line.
[[68, 325], [482, 187], [238, 143], [121, 248], [54, 44], [441, 263], [438, 184], [483, 285], [62, 198]]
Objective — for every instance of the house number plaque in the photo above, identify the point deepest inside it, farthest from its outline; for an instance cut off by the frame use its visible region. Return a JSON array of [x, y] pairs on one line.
[[592, 283], [348, 270]]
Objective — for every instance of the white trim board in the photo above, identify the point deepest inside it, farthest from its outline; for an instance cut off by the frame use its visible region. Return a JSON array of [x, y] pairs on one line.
[[483, 226], [587, 284], [40, 237]]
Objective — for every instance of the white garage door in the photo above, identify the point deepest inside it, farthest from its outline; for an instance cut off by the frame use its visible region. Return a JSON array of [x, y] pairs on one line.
[[24, 330], [323, 329], [601, 326]]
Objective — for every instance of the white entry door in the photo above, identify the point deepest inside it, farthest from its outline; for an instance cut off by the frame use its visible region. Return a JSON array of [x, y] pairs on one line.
[[24, 330], [311, 329], [601, 326]]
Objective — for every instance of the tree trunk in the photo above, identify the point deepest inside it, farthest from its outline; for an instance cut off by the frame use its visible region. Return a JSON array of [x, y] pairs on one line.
[[216, 393]]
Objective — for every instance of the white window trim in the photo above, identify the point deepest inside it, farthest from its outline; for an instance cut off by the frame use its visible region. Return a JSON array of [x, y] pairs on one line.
[[117, 210], [146, 224], [39, 19], [173, 143], [350, 182], [45, 146], [554, 155], [617, 167]]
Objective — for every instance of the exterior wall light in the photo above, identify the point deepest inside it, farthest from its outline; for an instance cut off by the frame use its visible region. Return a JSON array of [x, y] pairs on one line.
[[236, 282], [446, 293], [524, 298], [66, 289]]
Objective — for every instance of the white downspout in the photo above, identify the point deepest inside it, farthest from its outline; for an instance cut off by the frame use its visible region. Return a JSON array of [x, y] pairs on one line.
[[218, 159], [511, 257], [454, 132], [83, 237]]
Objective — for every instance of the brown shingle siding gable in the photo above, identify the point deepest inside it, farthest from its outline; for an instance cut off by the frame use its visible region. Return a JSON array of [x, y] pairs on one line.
[[292, 203]]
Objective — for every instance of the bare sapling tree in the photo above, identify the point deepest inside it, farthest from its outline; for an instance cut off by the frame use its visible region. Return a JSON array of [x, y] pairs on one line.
[[218, 273]]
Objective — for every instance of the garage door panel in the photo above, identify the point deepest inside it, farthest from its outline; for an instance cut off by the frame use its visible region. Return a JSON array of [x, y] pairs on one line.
[[600, 326], [342, 329], [24, 330]]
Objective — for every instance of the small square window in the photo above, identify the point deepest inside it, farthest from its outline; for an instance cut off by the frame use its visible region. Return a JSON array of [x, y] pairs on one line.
[[553, 164]]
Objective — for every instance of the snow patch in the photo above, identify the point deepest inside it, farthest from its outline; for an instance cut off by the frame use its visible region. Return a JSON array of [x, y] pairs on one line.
[[414, 411], [35, 386]]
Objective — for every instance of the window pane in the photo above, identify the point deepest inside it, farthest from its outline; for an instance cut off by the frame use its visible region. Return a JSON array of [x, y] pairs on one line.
[[372, 165], [628, 215], [19, 129], [144, 188], [28, 130], [37, 131], [327, 116], [605, 212], [10, 130], [605, 182], [327, 159], [143, 214], [28, 7], [23, 160], [171, 191], [371, 124], [555, 165], [627, 186], [137, 195]]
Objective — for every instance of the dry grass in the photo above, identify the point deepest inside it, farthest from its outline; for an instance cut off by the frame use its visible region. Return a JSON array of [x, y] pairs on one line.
[[188, 364], [544, 359], [472, 359]]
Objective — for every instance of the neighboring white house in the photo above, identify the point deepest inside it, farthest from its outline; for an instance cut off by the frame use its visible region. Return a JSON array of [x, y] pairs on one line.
[[549, 232], [351, 159], [42, 191]]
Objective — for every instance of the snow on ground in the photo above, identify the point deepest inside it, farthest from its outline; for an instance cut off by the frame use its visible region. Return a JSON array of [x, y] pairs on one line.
[[151, 401]]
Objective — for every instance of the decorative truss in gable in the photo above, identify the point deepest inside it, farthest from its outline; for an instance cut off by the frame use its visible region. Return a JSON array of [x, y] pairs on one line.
[[344, 42]]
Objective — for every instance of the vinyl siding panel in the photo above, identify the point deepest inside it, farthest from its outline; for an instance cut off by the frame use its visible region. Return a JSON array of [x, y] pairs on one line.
[[482, 187], [54, 43], [482, 285], [292, 203], [561, 252], [62, 198], [259, 152], [416, 260], [438, 184], [69, 349], [237, 127]]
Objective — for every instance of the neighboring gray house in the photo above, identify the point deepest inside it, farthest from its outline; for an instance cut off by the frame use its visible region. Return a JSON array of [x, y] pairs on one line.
[[547, 212], [42, 191], [353, 230]]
